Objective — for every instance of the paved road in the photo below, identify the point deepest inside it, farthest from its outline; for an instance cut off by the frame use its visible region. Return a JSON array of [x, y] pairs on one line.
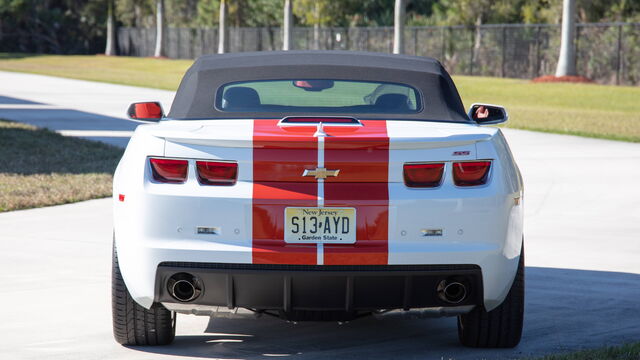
[[583, 275], [74, 107]]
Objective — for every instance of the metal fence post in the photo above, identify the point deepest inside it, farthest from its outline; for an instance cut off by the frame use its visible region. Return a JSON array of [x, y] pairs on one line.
[[444, 49], [366, 47], [619, 52], [538, 45], [259, 39], [471, 48], [504, 50], [578, 27]]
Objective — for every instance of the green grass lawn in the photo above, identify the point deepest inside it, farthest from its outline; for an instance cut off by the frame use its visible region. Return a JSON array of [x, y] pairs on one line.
[[625, 352], [146, 72], [610, 112], [41, 168]]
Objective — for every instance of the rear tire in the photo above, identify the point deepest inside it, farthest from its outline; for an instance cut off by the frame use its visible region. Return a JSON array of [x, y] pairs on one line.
[[132, 323], [500, 327]]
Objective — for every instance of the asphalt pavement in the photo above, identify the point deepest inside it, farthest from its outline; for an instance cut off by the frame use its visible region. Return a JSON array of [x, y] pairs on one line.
[[582, 229]]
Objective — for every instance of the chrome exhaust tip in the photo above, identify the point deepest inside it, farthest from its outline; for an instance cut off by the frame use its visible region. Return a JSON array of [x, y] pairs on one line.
[[184, 287], [452, 292]]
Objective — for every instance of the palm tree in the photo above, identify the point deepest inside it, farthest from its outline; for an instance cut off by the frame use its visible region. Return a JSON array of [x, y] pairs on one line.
[[222, 28], [567, 60], [287, 39], [398, 27], [159, 29], [316, 25], [110, 49]]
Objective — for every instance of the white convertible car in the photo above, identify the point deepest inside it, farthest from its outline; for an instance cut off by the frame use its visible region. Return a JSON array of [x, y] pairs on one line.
[[320, 186]]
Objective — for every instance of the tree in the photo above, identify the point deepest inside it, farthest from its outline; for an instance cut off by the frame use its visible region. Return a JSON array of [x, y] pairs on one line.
[[53, 26], [316, 25], [182, 13], [110, 49], [567, 60], [398, 27], [222, 28], [319, 14], [159, 29], [136, 13], [239, 13], [474, 13], [287, 38]]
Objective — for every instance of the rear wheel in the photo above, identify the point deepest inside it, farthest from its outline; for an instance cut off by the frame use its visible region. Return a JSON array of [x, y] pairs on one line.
[[133, 324], [500, 327]]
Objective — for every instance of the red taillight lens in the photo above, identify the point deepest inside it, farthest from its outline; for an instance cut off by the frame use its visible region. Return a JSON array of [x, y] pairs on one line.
[[217, 173], [169, 170], [423, 175], [471, 173]]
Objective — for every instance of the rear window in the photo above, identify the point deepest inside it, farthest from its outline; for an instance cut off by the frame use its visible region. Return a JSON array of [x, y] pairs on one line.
[[318, 96]]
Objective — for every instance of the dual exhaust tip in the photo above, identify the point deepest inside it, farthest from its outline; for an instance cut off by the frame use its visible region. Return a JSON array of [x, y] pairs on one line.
[[184, 287], [452, 291]]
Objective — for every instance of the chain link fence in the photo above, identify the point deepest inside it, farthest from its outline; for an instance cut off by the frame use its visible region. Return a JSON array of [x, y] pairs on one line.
[[607, 53]]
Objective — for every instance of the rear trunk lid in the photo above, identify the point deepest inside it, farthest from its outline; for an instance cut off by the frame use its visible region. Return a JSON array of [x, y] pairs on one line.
[[361, 153], [328, 166]]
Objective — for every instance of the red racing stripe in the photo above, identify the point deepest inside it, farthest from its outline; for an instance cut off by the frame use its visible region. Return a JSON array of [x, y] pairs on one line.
[[280, 155], [362, 155]]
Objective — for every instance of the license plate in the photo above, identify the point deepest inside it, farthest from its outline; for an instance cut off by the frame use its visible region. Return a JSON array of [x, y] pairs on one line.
[[319, 225]]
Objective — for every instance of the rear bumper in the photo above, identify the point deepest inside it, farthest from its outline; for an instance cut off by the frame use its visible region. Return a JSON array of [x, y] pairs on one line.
[[343, 290]]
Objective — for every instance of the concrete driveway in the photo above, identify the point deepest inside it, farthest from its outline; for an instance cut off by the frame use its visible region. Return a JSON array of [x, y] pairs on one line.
[[582, 237], [96, 111]]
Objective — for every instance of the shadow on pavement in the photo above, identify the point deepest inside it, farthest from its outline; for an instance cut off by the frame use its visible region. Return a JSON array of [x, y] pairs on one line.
[[5, 100], [91, 126], [565, 310]]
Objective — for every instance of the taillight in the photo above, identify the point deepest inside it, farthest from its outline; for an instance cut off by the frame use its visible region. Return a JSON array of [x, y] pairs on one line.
[[423, 175], [217, 173], [169, 170], [471, 173]]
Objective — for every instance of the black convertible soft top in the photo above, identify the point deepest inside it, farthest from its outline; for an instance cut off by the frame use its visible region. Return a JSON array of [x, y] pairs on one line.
[[195, 98]]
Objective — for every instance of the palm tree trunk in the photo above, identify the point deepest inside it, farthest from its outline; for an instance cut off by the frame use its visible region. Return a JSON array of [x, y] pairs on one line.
[[477, 42], [567, 60], [110, 49], [398, 27], [159, 29], [222, 28], [287, 38], [316, 26]]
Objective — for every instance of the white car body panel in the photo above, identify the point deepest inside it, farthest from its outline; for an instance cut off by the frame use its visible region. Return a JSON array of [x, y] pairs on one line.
[[156, 222]]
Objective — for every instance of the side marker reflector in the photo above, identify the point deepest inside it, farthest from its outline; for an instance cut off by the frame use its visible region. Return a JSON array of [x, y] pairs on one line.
[[121, 197]]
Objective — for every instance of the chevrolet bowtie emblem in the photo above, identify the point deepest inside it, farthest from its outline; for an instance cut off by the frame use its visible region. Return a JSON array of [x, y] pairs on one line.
[[320, 173]]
